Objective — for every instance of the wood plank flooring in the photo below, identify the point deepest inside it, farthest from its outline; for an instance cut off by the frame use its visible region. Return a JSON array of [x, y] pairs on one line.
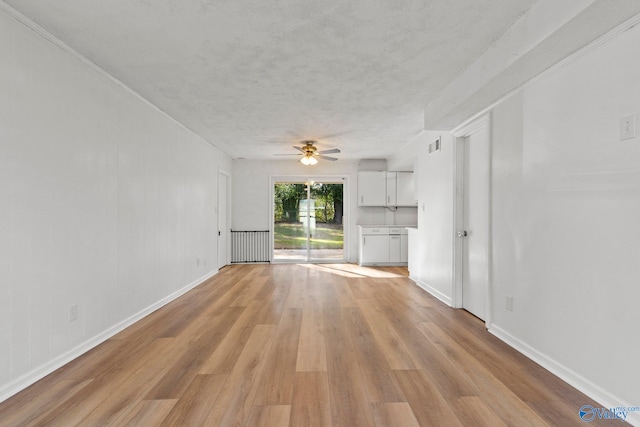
[[301, 345]]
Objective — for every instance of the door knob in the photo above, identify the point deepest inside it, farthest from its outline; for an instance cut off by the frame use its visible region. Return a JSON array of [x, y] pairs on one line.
[[463, 233]]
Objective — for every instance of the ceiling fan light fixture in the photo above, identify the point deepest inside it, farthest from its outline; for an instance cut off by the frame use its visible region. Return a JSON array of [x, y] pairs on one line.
[[308, 160]]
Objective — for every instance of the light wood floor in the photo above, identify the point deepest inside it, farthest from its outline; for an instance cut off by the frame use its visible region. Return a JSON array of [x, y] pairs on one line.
[[301, 345]]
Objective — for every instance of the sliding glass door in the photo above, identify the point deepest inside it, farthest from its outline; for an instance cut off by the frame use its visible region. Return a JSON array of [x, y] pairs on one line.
[[308, 220]]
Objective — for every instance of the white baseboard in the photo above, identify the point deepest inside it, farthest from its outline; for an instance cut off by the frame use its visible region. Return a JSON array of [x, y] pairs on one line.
[[24, 381], [436, 293], [603, 397]]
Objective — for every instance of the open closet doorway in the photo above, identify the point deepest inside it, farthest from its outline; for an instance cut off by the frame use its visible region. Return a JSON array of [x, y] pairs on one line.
[[308, 219]]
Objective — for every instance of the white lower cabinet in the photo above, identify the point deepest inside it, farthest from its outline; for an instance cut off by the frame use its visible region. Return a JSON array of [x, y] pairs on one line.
[[404, 247], [375, 249], [394, 248], [382, 245]]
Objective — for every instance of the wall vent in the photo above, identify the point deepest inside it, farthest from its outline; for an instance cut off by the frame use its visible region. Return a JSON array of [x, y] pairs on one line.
[[434, 146]]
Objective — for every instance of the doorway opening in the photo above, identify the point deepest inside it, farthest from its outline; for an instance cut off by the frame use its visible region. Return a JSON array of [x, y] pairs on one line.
[[308, 219], [224, 218]]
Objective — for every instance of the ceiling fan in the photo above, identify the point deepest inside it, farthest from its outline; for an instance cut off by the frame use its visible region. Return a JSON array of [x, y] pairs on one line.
[[311, 154]]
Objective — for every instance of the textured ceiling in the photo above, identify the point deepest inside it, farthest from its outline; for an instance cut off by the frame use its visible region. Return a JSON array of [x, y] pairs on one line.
[[253, 77]]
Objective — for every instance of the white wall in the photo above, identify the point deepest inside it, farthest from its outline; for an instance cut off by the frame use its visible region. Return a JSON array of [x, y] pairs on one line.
[[404, 159], [566, 204], [565, 222], [104, 202], [433, 239]]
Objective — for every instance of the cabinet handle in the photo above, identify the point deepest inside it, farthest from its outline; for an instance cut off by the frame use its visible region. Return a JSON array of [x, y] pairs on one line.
[[362, 200], [388, 199], [364, 241]]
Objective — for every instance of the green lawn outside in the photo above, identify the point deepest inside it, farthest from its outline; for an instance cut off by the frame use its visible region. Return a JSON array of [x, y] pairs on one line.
[[292, 236]]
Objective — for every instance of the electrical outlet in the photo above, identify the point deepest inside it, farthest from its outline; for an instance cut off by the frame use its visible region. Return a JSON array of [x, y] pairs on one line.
[[628, 127], [508, 303], [73, 312]]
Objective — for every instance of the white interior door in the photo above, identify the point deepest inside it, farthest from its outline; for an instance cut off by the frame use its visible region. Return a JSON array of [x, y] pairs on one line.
[[475, 230], [223, 219]]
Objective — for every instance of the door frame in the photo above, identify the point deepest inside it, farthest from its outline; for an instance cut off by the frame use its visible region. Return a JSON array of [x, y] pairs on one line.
[[345, 214], [224, 254], [481, 124]]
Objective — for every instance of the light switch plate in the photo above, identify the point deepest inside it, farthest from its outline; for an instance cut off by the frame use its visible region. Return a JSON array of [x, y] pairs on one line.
[[508, 303], [628, 127]]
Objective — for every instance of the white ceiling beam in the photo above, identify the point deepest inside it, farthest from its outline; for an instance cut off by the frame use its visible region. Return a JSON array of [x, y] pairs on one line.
[[548, 33]]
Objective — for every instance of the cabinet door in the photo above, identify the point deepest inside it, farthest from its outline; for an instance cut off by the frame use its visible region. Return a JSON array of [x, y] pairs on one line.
[[372, 188], [404, 189], [404, 248], [394, 248], [392, 183], [375, 249]]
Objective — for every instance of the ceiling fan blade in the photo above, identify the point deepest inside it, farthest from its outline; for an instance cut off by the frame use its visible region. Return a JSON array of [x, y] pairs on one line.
[[288, 154], [299, 149], [332, 151], [331, 159]]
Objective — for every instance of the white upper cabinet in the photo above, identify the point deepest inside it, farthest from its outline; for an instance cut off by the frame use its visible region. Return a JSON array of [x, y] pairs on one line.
[[372, 188], [392, 181], [379, 188]]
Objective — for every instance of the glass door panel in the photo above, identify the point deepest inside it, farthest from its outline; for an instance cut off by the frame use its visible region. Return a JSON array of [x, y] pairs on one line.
[[326, 228], [290, 240]]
